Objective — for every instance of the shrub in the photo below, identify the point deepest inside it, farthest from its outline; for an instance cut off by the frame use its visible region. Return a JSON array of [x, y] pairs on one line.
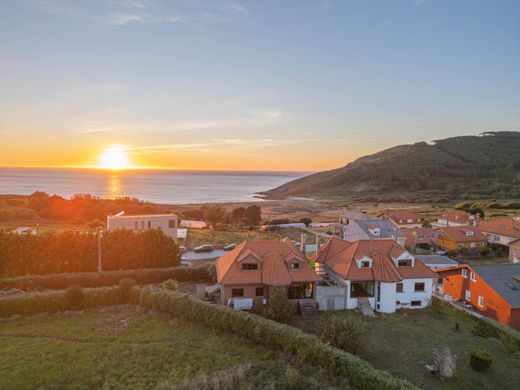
[[480, 360], [170, 284], [483, 329], [274, 335], [341, 332], [125, 287], [74, 297], [279, 307]]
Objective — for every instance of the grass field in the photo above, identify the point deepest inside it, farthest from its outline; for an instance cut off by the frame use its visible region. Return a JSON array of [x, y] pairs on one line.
[[125, 347], [402, 345]]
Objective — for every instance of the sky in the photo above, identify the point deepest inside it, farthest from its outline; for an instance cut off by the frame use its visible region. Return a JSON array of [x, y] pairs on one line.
[[280, 85]]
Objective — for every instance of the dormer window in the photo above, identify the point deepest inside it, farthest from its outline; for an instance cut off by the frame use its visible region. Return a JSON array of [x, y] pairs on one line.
[[404, 263], [469, 233], [364, 264], [249, 266], [294, 265], [375, 231]]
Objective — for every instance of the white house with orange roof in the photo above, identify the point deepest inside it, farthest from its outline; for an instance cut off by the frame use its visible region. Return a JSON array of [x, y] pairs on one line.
[[501, 231], [379, 273], [247, 274]]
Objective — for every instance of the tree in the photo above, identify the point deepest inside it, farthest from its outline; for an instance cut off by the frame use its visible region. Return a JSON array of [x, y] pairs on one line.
[[306, 220], [238, 215], [214, 214], [279, 307], [253, 215], [341, 332]]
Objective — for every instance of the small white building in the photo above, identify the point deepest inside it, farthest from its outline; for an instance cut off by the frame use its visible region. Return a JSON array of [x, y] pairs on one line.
[[166, 222], [378, 273], [190, 224], [435, 262]]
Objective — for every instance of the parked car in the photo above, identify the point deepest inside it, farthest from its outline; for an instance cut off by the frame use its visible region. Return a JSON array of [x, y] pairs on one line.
[[183, 249], [203, 249], [230, 247]]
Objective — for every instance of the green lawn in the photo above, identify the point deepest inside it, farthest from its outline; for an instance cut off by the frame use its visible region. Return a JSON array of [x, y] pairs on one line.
[[126, 347], [403, 344]]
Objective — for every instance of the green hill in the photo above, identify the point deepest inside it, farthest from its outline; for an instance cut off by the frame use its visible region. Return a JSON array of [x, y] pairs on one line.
[[473, 166]]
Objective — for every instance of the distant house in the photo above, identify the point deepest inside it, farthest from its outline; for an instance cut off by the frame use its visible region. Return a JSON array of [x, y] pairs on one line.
[[166, 222], [422, 236], [354, 215], [403, 219], [492, 290], [378, 273], [373, 229], [435, 262], [501, 231], [185, 223], [247, 274], [514, 251], [460, 237], [457, 218]]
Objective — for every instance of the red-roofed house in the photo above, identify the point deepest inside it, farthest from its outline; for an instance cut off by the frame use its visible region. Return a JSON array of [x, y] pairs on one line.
[[460, 237], [379, 271], [501, 231], [249, 271], [423, 236], [457, 218], [403, 219]]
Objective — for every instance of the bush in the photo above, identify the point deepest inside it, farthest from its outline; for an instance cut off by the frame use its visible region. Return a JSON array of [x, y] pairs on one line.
[[279, 307], [74, 297], [170, 284], [480, 360], [483, 329], [341, 332], [202, 273], [274, 335], [125, 287]]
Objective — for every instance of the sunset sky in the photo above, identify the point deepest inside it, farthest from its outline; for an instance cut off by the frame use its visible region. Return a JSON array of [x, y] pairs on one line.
[[249, 85]]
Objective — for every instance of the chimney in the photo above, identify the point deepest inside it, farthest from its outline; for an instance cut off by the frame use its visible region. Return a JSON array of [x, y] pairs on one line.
[[302, 243]]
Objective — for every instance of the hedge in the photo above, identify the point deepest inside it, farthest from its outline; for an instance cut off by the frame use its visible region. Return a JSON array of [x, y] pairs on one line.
[[202, 273], [272, 334], [480, 360], [54, 301], [488, 327]]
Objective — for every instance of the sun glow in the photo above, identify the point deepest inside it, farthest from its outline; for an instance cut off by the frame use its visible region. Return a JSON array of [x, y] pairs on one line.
[[115, 158]]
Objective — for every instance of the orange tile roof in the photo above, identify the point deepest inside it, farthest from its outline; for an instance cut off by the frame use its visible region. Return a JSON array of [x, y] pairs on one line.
[[400, 216], [273, 257], [458, 216], [502, 226], [458, 233], [340, 255]]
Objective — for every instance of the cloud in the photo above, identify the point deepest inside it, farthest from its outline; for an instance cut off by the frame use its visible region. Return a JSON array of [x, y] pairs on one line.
[[121, 13]]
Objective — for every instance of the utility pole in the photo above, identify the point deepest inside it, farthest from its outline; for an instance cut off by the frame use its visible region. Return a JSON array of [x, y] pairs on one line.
[[100, 236]]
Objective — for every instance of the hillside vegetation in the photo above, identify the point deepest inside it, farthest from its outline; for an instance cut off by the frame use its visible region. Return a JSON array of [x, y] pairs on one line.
[[469, 166]]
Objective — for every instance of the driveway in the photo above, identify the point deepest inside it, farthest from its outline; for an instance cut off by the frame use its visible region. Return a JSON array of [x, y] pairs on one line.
[[192, 256]]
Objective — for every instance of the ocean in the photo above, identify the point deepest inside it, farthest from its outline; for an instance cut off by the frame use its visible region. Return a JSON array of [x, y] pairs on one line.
[[158, 186]]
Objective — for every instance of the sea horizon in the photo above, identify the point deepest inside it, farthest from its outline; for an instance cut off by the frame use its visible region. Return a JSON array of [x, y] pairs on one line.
[[169, 186]]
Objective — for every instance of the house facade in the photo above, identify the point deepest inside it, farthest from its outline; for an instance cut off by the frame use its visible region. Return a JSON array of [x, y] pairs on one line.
[[247, 274], [492, 290], [379, 272], [460, 237], [422, 236], [501, 231], [514, 252], [373, 229], [166, 222], [403, 219], [457, 218]]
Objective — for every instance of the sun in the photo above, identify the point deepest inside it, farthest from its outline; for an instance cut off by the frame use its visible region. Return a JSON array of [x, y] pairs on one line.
[[115, 158]]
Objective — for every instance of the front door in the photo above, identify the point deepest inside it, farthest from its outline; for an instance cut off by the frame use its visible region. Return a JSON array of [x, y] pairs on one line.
[[330, 303]]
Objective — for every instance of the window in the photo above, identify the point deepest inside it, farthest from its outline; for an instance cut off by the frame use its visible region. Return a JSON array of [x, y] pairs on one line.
[[404, 263], [399, 287], [420, 236], [294, 265], [364, 264], [142, 225], [149, 224], [464, 273], [171, 223], [481, 301], [419, 286], [512, 286], [468, 295], [249, 266], [469, 233], [416, 303], [473, 276], [237, 292], [460, 246], [136, 225], [259, 292]]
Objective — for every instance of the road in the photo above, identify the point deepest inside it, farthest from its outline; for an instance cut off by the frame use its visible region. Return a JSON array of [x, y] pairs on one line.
[[192, 256]]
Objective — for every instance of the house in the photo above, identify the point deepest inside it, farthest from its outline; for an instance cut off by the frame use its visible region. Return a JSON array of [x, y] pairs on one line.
[[373, 229], [379, 273], [514, 251], [492, 290], [460, 237], [435, 262], [403, 219], [501, 231], [166, 222], [189, 224], [354, 215], [457, 218], [422, 236], [247, 274]]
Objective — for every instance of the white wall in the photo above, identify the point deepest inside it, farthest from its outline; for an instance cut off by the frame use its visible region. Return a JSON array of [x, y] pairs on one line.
[[387, 298], [408, 295], [143, 222]]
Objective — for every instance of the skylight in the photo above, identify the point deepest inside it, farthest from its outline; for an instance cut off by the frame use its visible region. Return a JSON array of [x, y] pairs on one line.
[[512, 286]]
